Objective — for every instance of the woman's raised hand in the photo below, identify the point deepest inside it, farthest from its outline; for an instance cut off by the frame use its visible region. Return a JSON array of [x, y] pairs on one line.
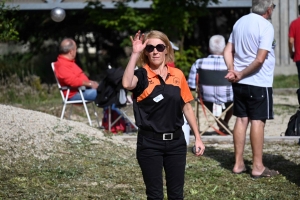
[[137, 42]]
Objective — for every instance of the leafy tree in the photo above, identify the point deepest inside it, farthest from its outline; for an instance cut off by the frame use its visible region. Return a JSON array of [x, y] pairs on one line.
[[176, 18], [7, 23], [108, 30], [119, 22]]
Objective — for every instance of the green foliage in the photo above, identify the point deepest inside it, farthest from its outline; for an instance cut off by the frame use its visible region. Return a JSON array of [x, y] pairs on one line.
[[7, 24], [122, 18], [110, 30], [16, 64], [26, 64], [185, 58], [28, 92], [177, 18]]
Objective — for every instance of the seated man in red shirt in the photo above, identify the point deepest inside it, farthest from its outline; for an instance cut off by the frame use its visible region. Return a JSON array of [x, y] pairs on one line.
[[69, 73]]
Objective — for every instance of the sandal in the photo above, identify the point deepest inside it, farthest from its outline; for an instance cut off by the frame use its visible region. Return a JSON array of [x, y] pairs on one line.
[[266, 173]]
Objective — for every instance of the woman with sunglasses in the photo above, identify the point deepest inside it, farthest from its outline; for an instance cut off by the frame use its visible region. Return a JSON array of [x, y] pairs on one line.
[[160, 96]]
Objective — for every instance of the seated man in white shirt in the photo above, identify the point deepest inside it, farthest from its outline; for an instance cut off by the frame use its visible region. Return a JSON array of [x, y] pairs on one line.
[[213, 94]]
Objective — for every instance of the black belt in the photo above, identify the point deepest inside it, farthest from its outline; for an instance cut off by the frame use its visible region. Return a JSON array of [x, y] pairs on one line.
[[161, 136]]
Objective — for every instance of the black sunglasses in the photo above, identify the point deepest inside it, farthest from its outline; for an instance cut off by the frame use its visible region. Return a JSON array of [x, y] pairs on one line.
[[274, 6], [159, 48]]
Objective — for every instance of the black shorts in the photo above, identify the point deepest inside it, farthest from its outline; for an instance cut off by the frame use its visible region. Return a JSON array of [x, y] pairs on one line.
[[253, 102]]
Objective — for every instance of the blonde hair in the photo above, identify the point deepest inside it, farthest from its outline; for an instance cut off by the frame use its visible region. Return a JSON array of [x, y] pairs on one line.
[[163, 37]]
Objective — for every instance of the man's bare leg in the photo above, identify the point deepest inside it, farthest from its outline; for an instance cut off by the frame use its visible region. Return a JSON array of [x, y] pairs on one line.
[[239, 139], [257, 143]]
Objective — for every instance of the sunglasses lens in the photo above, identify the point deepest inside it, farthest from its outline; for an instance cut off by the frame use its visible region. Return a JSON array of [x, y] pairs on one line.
[[149, 48], [160, 47]]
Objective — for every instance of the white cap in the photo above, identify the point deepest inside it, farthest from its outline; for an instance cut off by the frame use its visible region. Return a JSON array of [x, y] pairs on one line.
[[173, 46]]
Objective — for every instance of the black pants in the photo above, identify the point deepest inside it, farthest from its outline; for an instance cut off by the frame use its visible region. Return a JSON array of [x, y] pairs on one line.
[[154, 155], [298, 69]]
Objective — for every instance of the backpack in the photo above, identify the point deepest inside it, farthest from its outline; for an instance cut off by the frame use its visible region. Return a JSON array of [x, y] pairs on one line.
[[293, 127], [110, 90]]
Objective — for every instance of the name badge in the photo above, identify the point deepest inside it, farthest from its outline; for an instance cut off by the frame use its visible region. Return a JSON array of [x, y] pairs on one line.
[[158, 98]]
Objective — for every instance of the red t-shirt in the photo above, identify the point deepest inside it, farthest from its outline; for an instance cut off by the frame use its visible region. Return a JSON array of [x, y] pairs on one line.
[[294, 32], [69, 73]]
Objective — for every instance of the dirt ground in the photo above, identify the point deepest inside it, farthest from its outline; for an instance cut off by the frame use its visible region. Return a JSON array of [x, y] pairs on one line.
[[285, 105]]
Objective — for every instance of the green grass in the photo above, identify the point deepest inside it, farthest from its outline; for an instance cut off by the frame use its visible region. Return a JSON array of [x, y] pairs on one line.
[[212, 178], [82, 170], [87, 170], [282, 81]]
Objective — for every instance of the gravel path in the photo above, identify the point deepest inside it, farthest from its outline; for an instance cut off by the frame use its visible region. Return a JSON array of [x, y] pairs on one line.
[[25, 132]]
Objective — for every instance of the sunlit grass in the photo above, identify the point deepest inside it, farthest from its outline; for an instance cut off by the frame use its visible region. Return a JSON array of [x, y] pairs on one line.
[[87, 170]]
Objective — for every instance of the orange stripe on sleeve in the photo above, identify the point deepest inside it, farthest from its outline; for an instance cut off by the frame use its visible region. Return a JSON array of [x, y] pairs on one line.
[[185, 91]]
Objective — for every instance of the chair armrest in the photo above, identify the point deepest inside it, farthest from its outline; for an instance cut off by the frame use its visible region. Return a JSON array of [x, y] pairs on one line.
[[67, 87], [64, 88], [82, 88]]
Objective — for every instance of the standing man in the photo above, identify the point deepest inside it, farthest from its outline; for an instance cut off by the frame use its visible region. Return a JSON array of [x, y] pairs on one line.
[[294, 42], [249, 56], [69, 73]]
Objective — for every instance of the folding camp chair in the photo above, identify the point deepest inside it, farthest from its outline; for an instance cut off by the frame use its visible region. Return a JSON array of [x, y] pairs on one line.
[[211, 78], [123, 114], [66, 101]]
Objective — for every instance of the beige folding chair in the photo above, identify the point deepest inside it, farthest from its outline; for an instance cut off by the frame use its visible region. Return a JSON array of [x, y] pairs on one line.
[[196, 110], [211, 78], [66, 101], [123, 114]]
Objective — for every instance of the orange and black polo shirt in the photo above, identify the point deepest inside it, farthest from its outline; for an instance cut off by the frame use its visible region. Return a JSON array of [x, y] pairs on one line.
[[158, 104]]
